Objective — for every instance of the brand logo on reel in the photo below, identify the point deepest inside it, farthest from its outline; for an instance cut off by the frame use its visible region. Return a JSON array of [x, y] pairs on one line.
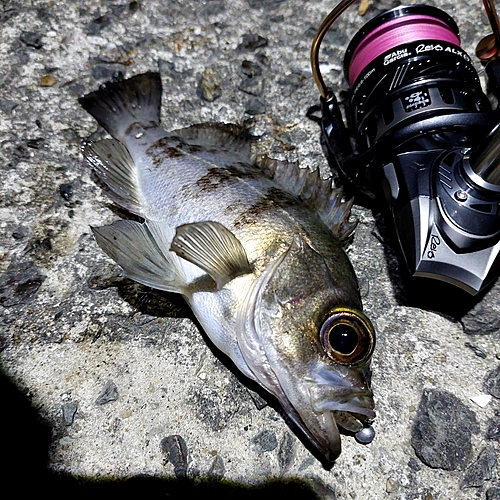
[[394, 56]]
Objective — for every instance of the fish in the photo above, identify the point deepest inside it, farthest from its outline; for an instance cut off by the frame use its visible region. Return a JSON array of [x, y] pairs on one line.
[[256, 246]]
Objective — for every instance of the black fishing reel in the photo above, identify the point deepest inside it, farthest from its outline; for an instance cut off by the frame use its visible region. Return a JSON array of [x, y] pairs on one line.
[[423, 136]]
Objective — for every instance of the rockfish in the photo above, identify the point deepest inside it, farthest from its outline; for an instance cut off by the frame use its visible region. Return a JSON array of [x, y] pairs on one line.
[[254, 246]]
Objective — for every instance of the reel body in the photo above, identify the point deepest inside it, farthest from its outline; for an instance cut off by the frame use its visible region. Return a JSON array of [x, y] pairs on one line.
[[423, 137]]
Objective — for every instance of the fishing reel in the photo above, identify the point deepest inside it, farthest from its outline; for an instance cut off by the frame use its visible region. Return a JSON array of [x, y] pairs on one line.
[[423, 136]]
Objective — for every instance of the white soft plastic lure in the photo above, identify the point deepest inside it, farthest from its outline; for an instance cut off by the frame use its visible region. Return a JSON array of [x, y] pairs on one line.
[[255, 247]]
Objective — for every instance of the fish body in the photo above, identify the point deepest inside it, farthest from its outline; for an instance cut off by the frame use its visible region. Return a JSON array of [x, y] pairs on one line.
[[255, 247]]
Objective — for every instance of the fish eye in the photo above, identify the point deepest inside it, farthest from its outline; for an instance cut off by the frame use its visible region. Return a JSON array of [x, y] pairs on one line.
[[348, 336]]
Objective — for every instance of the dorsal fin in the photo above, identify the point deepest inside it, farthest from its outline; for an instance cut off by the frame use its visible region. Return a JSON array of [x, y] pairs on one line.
[[220, 135], [318, 193]]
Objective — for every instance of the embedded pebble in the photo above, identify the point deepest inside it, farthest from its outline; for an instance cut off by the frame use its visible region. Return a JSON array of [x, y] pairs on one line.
[[286, 452], [66, 191], [68, 413], [492, 383], [217, 468], [175, 450], [267, 4], [391, 485], [101, 72], [265, 441], [251, 42], [250, 69], [363, 7], [252, 86], [35, 143], [476, 350], [48, 81], [134, 6], [442, 431], [481, 400], [31, 39], [480, 471], [210, 84], [255, 107], [291, 83], [214, 8], [20, 284], [108, 394], [6, 105], [321, 490], [98, 24], [493, 493], [483, 318], [20, 233], [493, 432]]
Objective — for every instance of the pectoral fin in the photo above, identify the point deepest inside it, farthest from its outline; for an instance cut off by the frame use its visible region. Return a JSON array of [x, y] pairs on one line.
[[213, 248], [142, 254]]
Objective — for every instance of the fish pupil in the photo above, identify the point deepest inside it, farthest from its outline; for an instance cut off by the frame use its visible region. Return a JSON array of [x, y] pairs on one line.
[[343, 338]]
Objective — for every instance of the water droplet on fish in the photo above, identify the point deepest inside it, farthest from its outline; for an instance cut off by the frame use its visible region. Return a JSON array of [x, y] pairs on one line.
[[365, 435]]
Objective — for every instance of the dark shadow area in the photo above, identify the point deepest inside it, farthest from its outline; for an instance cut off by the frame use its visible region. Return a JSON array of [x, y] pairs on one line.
[[26, 441], [151, 302], [63, 487]]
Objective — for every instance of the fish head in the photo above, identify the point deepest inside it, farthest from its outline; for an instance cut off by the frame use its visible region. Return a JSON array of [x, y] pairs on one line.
[[306, 340]]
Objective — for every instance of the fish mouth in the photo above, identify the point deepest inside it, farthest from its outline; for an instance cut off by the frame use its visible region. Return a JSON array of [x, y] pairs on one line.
[[349, 409], [346, 400], [336, 399]]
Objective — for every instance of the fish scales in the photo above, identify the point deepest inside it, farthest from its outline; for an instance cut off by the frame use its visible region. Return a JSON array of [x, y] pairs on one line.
[[217, 179], [255, 247]]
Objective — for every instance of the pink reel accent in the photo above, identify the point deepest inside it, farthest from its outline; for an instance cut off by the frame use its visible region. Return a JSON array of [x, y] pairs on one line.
[[396, 32]]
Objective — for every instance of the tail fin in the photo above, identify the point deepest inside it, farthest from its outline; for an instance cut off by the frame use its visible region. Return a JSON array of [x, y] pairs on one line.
[[116, 105]]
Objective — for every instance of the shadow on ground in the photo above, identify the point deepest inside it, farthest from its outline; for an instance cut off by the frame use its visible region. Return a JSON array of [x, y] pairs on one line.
[[25, 451]]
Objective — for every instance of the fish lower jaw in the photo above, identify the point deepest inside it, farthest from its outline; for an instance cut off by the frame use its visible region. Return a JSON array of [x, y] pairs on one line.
[[328, 442]]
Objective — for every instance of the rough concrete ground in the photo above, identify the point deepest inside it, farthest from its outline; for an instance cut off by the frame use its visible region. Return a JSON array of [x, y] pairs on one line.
[[98, 371]]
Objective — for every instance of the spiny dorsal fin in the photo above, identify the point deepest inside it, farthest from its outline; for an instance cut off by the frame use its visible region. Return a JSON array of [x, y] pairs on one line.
[[140, 250], [116, 169], [219, 135], [319, 194], [119, 104], [213, 248]]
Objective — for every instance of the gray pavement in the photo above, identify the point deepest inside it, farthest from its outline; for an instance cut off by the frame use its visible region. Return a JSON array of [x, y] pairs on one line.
[[98, 371]]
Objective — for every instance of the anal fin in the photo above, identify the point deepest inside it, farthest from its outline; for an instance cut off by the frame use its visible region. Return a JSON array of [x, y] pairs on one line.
[[134, 247], [213, 248]]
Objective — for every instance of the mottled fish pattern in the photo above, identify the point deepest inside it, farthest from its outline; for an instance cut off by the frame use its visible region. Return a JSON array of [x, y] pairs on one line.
[[254, 245]]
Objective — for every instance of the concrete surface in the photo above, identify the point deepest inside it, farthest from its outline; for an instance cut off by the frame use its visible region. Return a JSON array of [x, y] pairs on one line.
[[97, 371]]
